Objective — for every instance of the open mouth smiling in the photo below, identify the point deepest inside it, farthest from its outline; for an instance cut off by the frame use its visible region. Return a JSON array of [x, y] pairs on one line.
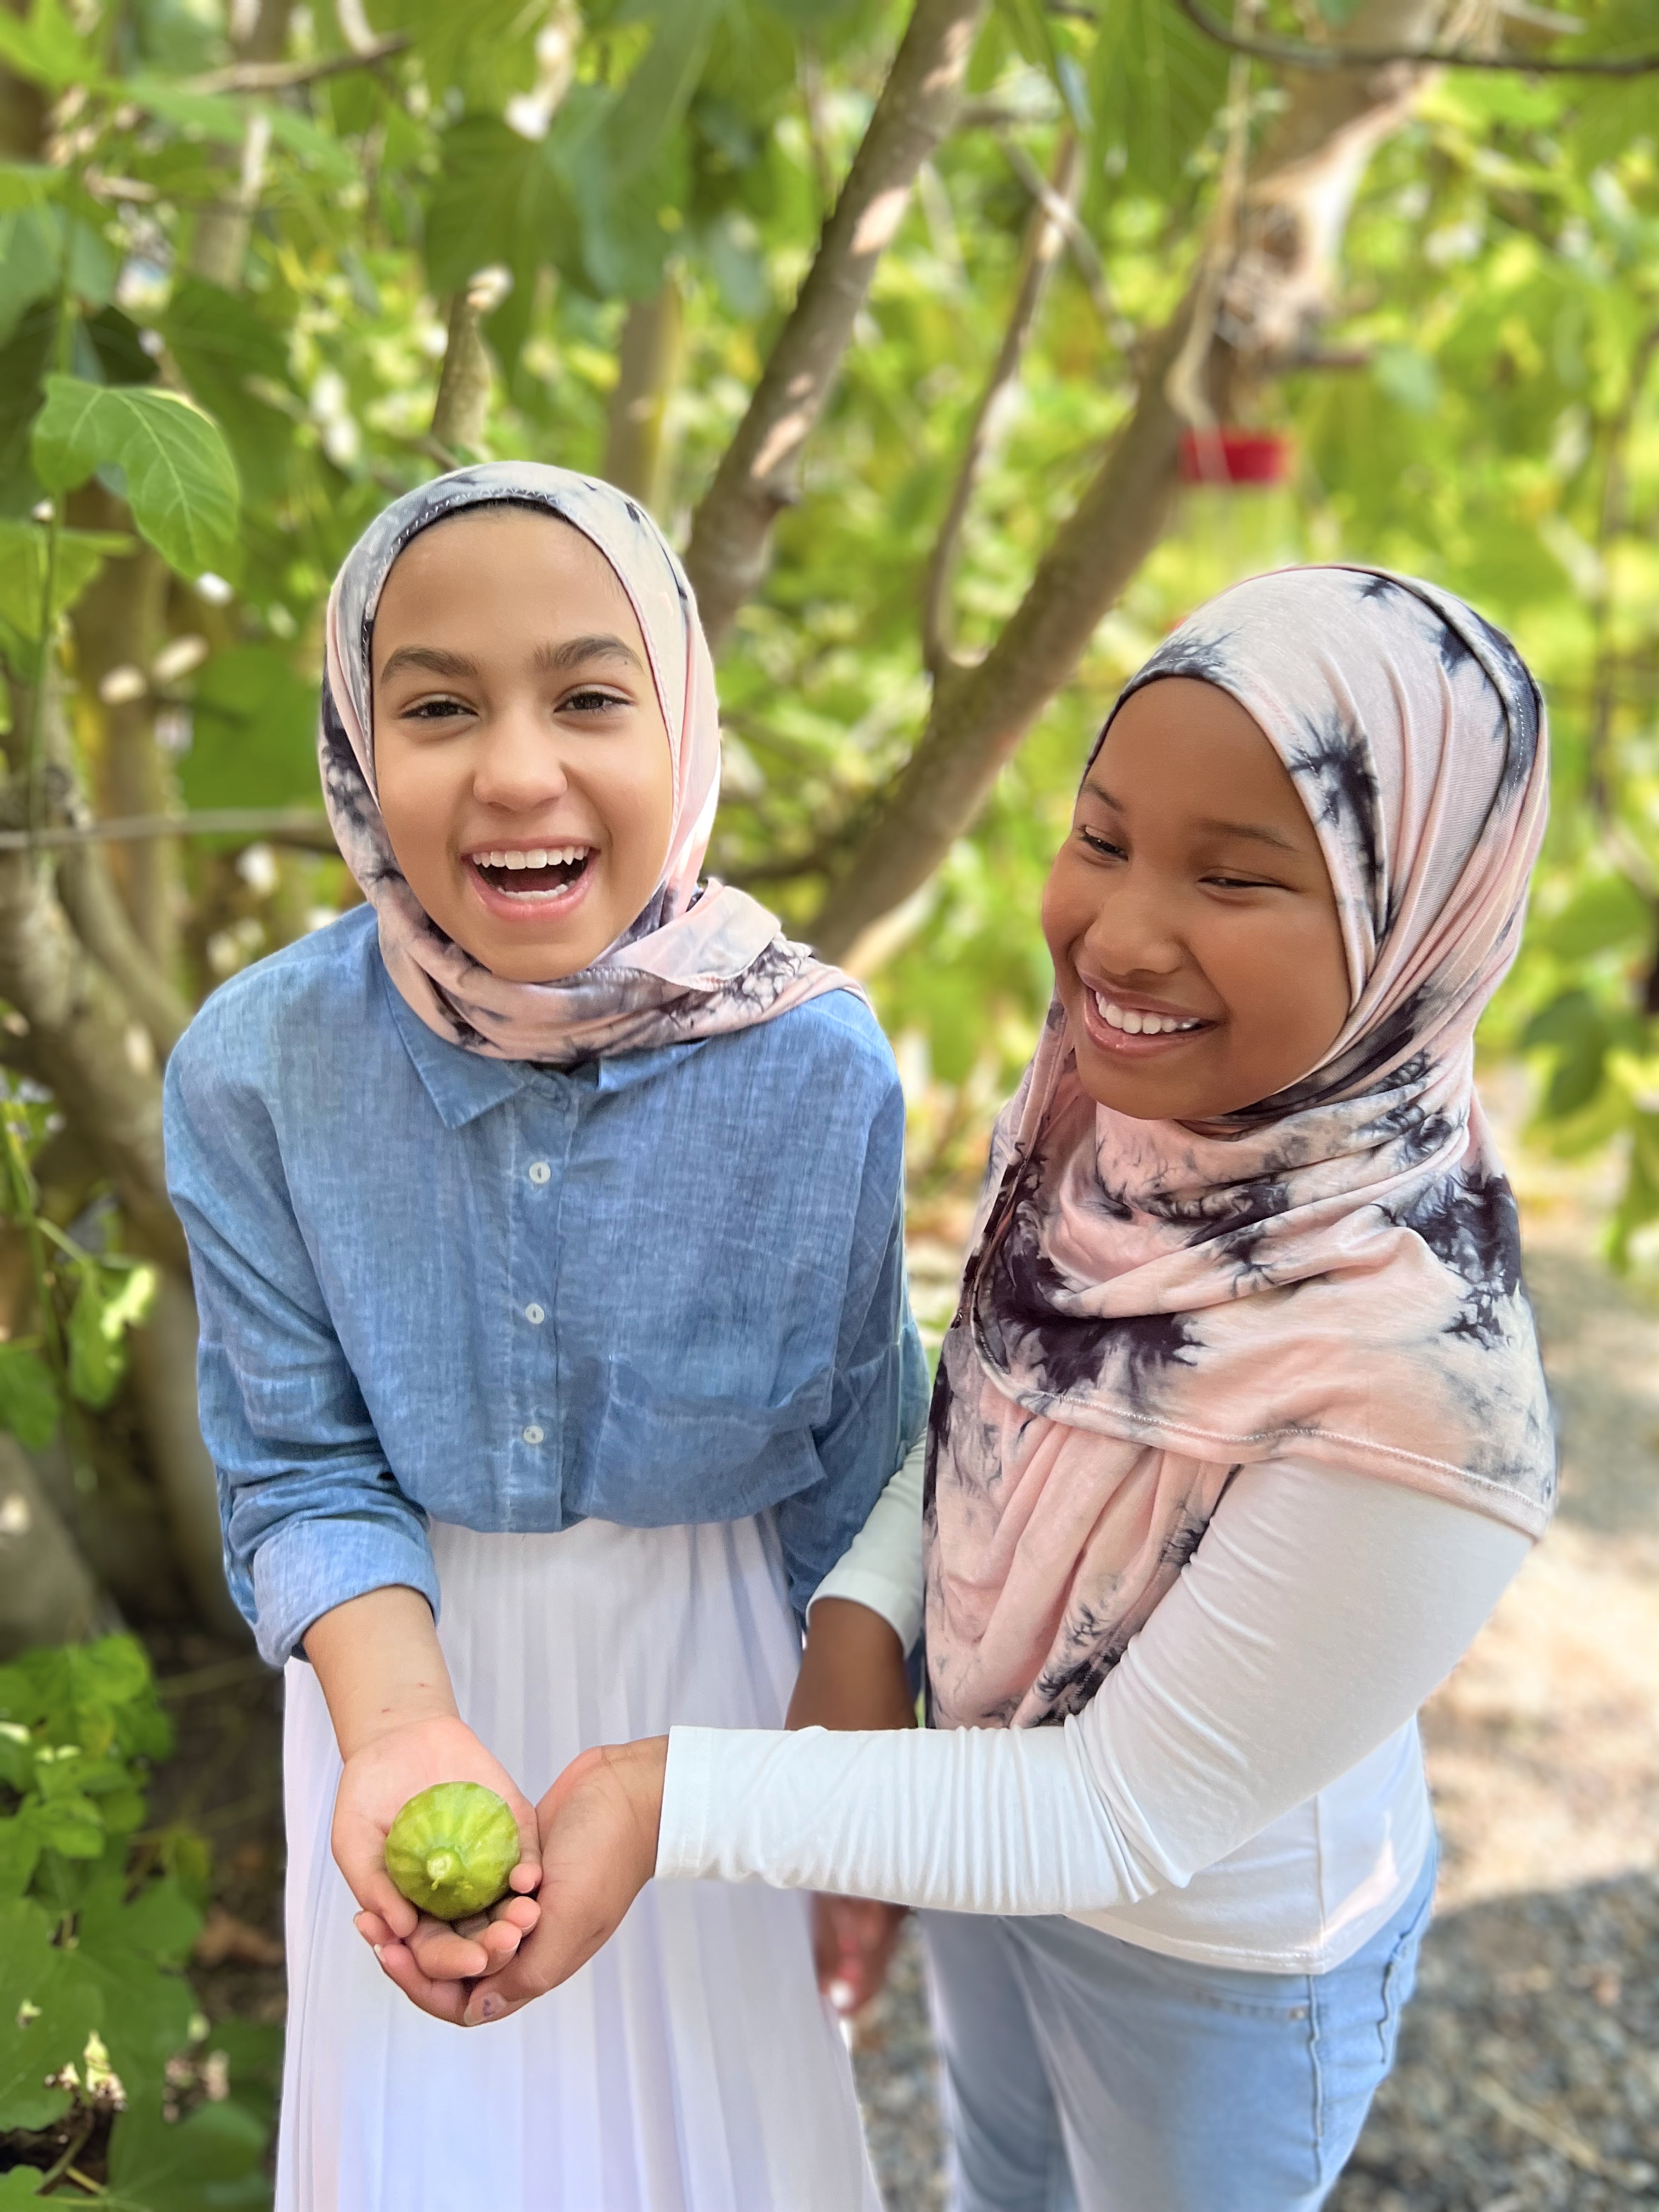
[[530, 871]]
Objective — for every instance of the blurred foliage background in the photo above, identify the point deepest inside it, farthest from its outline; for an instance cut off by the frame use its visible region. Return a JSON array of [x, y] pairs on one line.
[[935, 331], [262, 265]]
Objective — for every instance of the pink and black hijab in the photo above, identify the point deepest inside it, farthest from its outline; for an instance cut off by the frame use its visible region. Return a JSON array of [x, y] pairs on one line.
[[1333, 1274]]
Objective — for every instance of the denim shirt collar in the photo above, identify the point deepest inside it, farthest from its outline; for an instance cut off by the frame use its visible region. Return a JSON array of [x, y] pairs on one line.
[[461, 1084]]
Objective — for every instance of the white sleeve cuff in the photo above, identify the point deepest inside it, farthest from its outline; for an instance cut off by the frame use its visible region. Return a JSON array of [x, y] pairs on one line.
[[882, 1566]]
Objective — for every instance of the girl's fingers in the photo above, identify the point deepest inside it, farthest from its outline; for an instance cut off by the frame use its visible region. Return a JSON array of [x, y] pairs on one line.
[[360, 1854], [526, 1876], [523, 1912], [501, 1939], [373, 1928], [443, 2000], [443, 1954], [486, 2003]]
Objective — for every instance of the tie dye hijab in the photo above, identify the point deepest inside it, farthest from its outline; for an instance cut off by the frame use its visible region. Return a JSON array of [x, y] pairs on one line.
[[1333, 1275], [698, 960]]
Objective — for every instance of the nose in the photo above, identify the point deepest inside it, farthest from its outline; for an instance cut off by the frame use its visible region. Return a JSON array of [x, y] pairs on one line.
[[1135, 932], [518, 765]]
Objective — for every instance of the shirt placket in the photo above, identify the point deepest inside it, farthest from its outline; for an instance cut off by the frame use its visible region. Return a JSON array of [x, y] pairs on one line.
[[539, 1170]]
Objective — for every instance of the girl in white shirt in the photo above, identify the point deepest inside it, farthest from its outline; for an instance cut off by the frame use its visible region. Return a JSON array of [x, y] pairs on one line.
[[1238, 1434]]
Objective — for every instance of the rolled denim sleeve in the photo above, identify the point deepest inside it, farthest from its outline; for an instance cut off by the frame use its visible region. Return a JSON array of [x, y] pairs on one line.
[[311, 1512], [879, 1402]]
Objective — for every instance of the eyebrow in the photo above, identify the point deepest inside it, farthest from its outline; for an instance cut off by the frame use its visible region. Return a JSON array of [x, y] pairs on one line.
[[1258, 832], [550, 660], [556, 659], [432, 658]]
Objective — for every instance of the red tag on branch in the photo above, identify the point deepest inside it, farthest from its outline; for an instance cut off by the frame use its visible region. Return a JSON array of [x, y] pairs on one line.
[[1227, 456]]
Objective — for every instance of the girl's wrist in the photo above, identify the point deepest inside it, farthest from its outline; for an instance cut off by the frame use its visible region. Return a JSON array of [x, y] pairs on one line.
[[362, 1729], [380, 1667], [642, 1768]]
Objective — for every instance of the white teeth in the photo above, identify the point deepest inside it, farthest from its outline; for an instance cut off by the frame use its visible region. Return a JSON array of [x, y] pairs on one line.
[[1133, 1023], [533, 857]]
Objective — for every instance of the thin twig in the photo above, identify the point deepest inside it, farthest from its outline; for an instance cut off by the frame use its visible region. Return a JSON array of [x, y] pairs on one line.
[[283, 76], [77, 2144], [1043, 238], [1062, 212], [1185, 385], [1300, 54], [1566, 2141], [278, 825]]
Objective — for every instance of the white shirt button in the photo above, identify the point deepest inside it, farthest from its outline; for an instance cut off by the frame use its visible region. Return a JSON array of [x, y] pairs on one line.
[[535, 1316], [540, 1171], [533, 1435]]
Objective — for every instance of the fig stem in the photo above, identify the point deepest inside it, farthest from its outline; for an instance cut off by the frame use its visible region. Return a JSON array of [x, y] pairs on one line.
[[442, 1866]]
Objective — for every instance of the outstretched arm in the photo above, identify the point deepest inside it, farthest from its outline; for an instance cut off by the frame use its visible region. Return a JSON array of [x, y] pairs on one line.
[[1320, 1611], [381, 1670]]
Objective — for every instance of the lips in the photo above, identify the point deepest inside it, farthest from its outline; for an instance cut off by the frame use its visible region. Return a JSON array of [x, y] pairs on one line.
[[1135, 1028]]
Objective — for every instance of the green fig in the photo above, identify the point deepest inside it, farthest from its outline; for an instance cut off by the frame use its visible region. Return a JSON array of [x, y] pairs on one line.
[[451, 1849]]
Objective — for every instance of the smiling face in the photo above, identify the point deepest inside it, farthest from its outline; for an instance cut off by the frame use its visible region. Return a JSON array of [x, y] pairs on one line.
[[520, 754], [1193, 929]]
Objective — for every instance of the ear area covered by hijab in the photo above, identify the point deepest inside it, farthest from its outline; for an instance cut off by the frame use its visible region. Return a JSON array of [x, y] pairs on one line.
[[701, 959], [1332, 1275]]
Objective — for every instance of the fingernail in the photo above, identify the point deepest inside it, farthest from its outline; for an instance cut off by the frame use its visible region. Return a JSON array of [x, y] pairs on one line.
[[377, 1950], [490, 2008]]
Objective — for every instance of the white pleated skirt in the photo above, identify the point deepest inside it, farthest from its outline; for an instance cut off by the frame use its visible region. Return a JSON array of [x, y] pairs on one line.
[[692, 2065]]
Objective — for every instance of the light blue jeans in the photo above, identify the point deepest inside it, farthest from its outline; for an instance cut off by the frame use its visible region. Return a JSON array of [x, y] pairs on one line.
[[1084, 2074]]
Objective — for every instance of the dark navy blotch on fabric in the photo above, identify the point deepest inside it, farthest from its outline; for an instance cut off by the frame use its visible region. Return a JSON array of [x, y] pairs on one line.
[[1339, 788], [1470, 1225]]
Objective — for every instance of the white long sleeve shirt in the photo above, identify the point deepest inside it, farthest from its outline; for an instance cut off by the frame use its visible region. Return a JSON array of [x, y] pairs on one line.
[[1246, 1789]]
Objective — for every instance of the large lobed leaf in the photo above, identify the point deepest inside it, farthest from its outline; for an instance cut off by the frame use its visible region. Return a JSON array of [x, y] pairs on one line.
[[180, 480]]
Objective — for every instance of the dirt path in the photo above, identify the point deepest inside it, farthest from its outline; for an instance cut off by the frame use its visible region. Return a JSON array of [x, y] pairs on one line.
[[1528, 2071]]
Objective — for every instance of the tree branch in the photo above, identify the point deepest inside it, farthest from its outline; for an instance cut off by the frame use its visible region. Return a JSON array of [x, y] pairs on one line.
[[300, 827], [77, 1040], [1300, 53], [1278, 276], [759, 472], [637, 447], [283, 76], [1045, 238], [99, 921], [462, 406], [1062, 211]]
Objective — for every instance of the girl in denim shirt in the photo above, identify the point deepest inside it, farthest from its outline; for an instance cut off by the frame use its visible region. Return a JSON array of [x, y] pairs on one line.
[[545, 1217]]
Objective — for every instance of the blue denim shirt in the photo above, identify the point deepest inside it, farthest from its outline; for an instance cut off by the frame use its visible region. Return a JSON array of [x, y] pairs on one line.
[[661, 1288]]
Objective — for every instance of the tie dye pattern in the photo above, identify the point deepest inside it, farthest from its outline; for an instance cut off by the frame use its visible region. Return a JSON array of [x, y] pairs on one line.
[[1333, 1274], [701, 959]]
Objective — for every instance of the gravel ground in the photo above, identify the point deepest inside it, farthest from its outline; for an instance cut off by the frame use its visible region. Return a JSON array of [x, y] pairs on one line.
[[1527, 2079]]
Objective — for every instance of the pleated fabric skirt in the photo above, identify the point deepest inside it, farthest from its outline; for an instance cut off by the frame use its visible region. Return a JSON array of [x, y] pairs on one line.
[[692, 2065]]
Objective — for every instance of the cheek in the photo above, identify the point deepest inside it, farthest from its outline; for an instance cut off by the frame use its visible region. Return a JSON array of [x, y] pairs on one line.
[[416, 806], [641, 811], [1284, 979], [1066, 913]]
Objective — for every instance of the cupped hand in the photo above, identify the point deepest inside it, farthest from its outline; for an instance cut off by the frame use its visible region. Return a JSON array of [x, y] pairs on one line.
[[599, 1827], [377, 1780], [437, 1967], [854, 1940]]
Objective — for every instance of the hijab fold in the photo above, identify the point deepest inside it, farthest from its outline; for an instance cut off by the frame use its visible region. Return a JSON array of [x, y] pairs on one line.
[[1332, 1275], [702, 958]]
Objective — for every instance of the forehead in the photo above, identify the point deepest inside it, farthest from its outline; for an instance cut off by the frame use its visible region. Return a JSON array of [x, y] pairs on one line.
[[498, 554], [1180, 744]]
